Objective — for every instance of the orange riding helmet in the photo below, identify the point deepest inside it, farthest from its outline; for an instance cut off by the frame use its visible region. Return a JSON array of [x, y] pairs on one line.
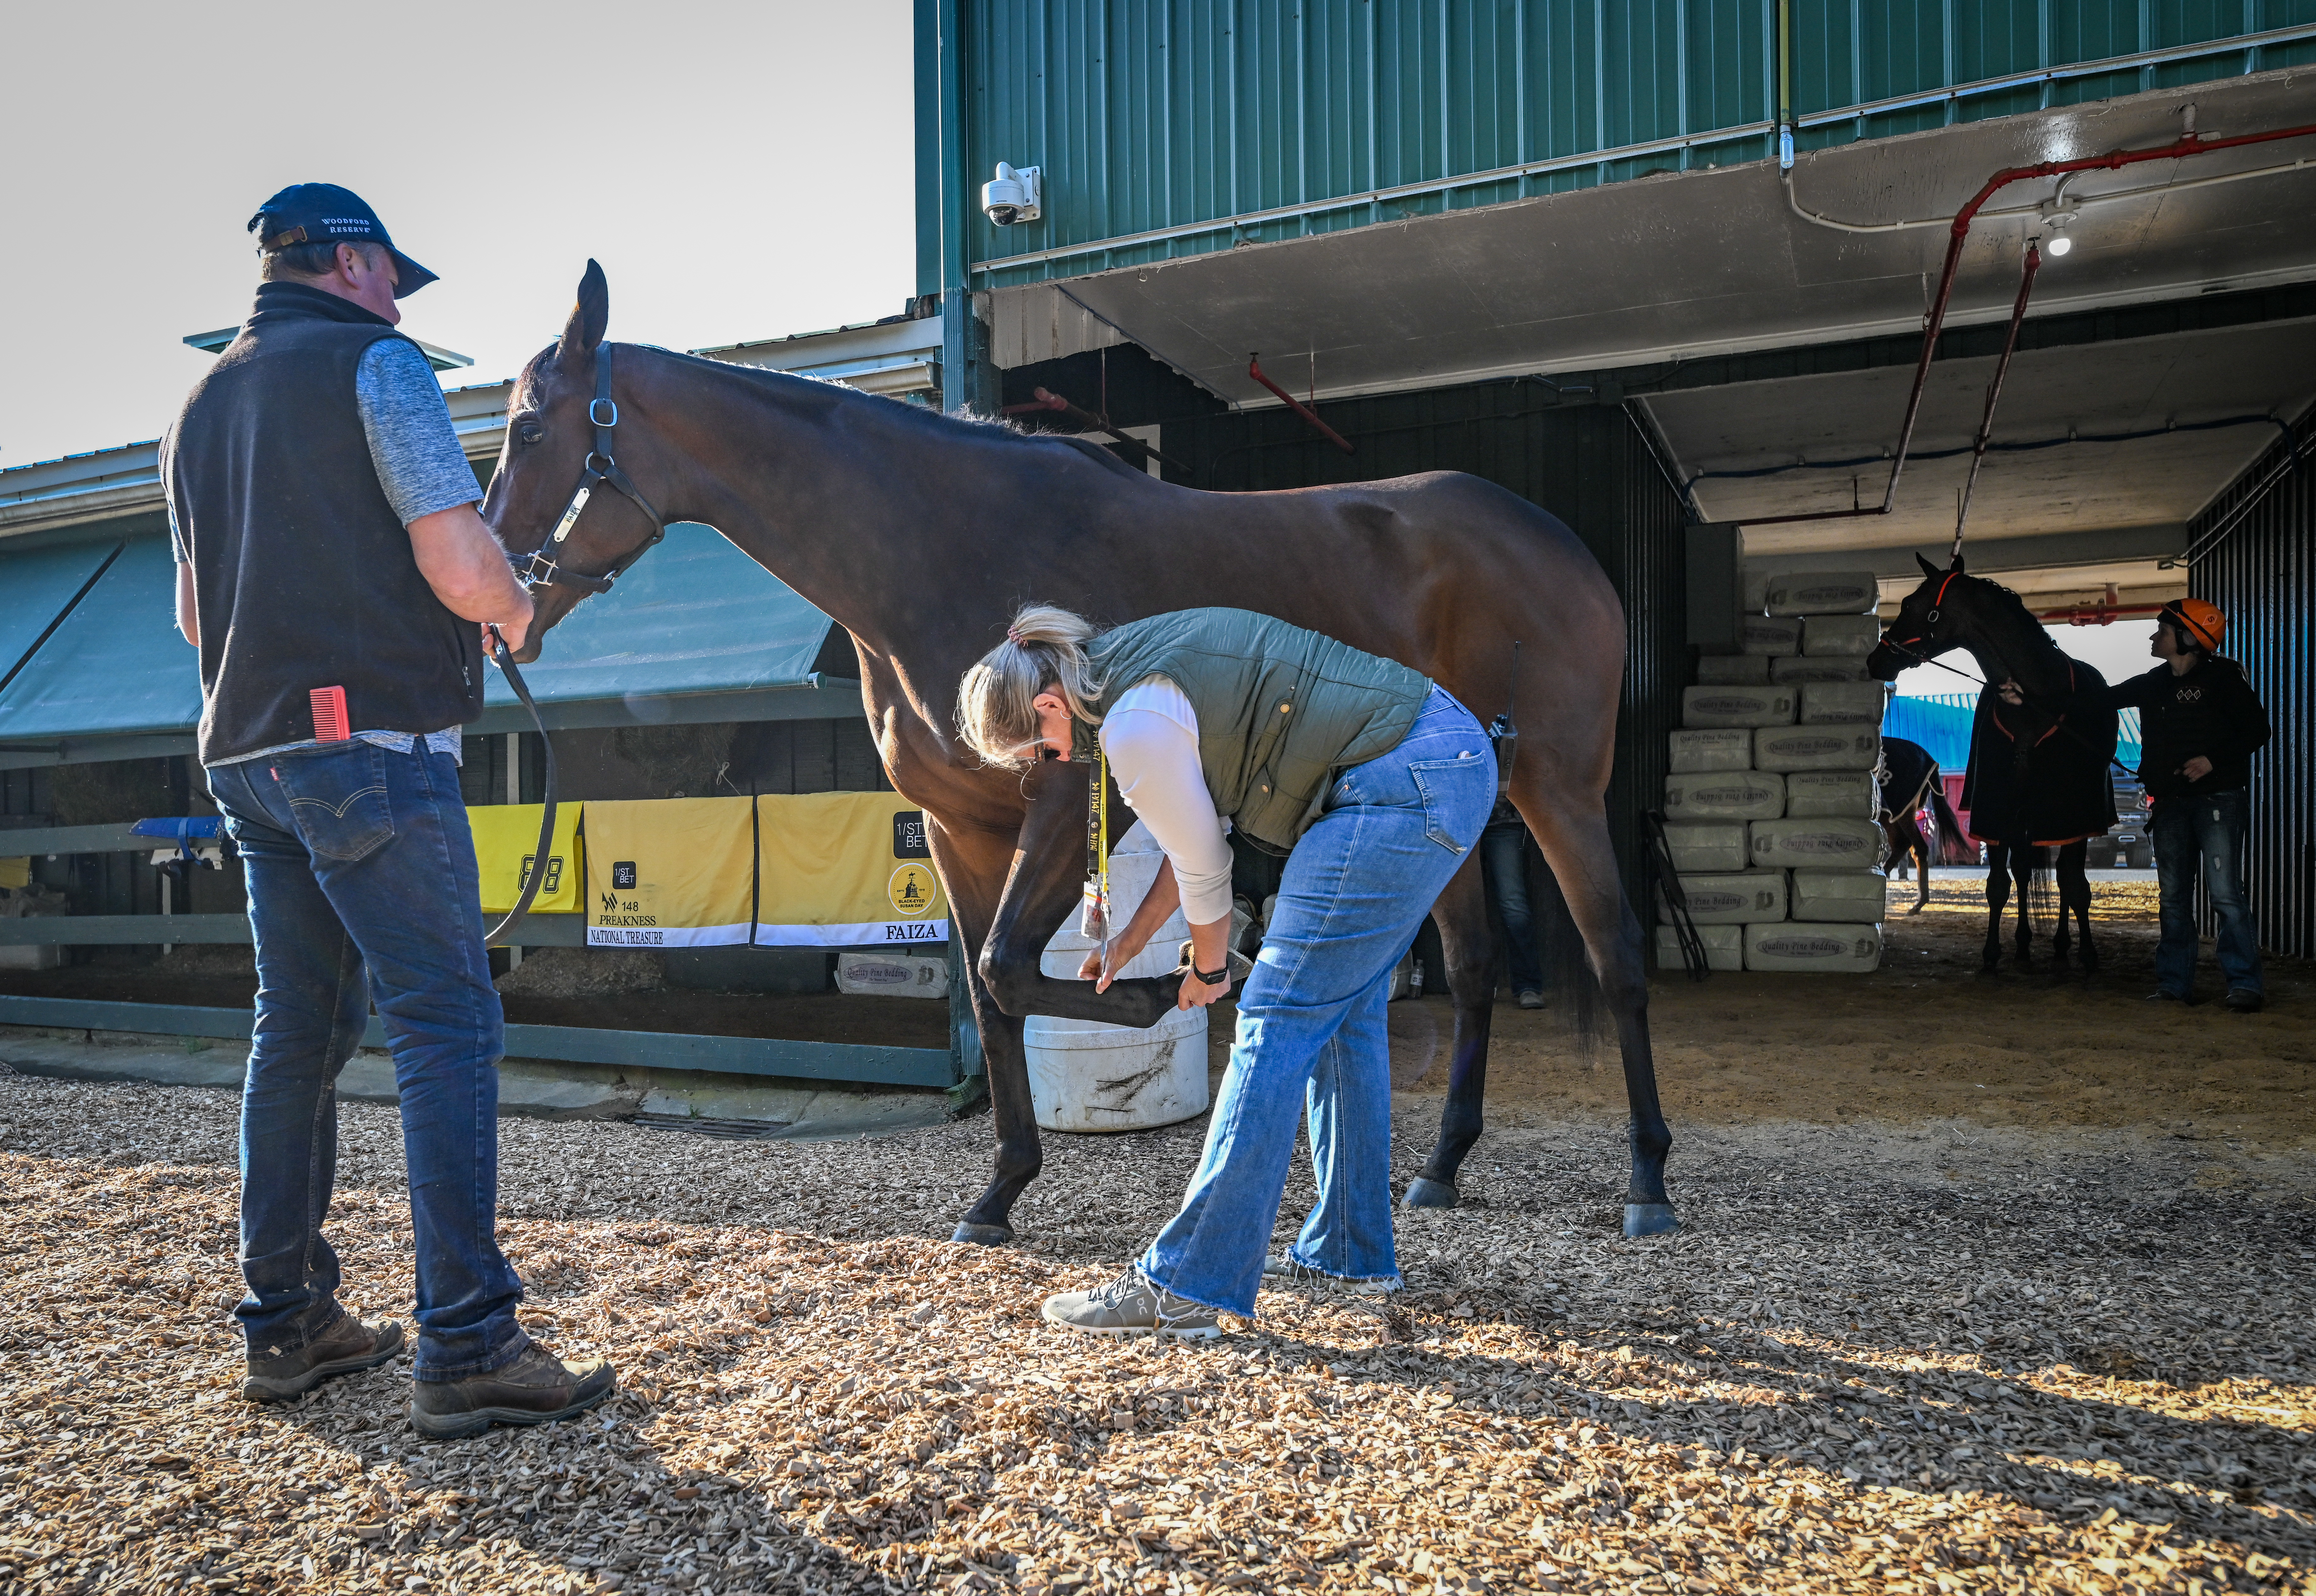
[[2200, 619]]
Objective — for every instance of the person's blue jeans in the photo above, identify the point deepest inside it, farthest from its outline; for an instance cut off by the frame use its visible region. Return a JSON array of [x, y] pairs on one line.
[[1310, 1022], [1503, 857], [359, 864], [2204, 835]]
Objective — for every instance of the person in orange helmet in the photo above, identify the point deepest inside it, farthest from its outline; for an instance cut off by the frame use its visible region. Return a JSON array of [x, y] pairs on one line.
[[2201, 723]]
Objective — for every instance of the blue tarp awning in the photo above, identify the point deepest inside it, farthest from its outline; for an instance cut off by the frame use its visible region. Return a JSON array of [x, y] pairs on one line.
[[40, 586], [697, 631], [115, 667], [1941, 723]]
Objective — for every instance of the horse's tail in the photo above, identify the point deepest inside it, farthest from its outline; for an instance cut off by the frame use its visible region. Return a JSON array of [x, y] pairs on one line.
[[1954, 847], [1567, 970]]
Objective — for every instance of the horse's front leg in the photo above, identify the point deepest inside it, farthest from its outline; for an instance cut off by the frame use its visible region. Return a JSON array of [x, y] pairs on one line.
[[1042, 887], [971, 865], [1461, 912], [2075, 897], [2024, 856]]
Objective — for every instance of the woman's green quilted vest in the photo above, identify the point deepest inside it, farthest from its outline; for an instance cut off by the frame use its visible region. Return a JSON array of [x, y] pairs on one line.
[[1280, 709]]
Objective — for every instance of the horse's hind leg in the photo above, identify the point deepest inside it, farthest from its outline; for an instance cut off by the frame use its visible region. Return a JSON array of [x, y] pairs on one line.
[[1572, 829], [1998, 893], [1461, 913], [973, 868], [1908, 833]]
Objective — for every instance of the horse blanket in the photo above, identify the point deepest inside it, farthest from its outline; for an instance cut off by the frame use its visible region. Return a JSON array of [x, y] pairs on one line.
[[2065, 795]]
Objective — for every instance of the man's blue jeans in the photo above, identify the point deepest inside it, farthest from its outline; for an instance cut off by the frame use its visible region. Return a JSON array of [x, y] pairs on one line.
[[1311, 1020], [359, 862], [2204, 835]]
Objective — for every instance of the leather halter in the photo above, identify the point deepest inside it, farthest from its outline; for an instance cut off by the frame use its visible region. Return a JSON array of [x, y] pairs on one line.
[[1905, 646], [538, 568]]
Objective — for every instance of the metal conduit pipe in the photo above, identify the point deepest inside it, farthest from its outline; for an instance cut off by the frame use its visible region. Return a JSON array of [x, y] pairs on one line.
[[2187, 145], [1255, 370]]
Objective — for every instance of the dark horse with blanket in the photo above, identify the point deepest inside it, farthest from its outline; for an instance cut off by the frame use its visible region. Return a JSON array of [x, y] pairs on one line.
[[2038, 768], [1910, 778], [920, 533]]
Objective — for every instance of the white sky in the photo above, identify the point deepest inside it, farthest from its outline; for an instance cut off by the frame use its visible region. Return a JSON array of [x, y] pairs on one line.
[[2116, 650], [741, 171]]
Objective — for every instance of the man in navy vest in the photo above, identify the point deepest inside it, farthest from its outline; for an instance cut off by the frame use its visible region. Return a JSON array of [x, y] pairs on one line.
[[333, 571]]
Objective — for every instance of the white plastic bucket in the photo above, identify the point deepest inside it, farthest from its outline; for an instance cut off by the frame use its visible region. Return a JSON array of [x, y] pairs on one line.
[[1088, 1076], [1085, 1076]]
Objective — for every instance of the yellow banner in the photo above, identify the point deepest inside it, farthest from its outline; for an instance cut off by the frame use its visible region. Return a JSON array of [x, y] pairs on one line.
[[844, 870], [670, 872], [506, 836]]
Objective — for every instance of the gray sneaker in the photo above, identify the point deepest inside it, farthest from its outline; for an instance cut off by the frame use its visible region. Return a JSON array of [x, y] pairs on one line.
[[1289, 1270], [1131, 1306], [1530, 997]]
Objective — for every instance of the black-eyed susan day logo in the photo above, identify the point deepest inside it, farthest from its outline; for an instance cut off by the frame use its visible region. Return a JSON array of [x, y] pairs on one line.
[[912, 889]]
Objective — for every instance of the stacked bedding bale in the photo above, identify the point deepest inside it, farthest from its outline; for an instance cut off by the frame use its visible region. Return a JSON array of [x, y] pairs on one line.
[[1769, 803]]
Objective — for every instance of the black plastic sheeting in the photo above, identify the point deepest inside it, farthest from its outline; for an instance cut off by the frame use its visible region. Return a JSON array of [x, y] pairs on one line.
[[1586, 463], [2263, 573]]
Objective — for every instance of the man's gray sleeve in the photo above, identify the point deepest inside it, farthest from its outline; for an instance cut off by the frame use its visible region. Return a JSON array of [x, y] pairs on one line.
[[412, 442]]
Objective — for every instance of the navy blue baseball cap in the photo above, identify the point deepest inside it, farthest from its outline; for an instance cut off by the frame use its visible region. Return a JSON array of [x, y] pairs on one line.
[[325, 213]]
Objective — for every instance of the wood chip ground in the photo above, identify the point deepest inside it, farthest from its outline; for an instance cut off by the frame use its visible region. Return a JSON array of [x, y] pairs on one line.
[[1933, 1358]]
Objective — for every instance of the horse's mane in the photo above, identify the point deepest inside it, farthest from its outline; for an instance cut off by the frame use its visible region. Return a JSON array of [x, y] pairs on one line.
[[2009, 607], [982, 426]]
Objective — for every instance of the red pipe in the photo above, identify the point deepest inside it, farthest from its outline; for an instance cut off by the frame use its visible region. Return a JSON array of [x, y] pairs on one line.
[[1255, 370], [2097, 615], [2189, 143]]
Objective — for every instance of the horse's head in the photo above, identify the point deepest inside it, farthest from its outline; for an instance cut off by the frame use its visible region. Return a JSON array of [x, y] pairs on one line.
[[1929, 623], [549, 449]]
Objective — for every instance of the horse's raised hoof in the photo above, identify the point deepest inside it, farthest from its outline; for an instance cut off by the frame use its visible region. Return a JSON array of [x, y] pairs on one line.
[[985, 1236], [1422, 1193], [1650, 1218]]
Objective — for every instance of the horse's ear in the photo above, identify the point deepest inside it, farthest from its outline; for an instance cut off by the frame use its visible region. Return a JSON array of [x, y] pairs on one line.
[[591, 314], [1956, 567], [1928, 570]]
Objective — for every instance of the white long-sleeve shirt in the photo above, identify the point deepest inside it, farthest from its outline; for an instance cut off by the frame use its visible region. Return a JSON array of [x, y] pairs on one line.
[[1150, 736]]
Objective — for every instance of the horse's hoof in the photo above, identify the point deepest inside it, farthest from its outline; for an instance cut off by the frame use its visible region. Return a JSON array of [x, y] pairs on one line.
[[986, 1235], [1424, 1193], [1650, 1218]]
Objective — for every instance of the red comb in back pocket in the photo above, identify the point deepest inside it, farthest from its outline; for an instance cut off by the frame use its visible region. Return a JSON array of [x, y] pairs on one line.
[[329, 714]]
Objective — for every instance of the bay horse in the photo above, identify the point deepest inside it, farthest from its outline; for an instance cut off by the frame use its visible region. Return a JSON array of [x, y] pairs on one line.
[[2038, 769], [920, 533], [1909, 778]]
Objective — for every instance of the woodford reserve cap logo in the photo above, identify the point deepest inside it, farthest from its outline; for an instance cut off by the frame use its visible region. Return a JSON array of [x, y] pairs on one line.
[[911, 890]]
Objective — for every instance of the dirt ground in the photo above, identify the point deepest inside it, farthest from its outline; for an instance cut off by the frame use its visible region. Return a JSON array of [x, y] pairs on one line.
[[1928, 1036], [1986, 1327]]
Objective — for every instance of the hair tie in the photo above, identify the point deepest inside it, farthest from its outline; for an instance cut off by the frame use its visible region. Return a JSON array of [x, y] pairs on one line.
[[1015, 638]]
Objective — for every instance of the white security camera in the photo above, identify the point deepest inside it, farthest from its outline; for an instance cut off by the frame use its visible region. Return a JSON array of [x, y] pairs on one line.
[[1014, 197]]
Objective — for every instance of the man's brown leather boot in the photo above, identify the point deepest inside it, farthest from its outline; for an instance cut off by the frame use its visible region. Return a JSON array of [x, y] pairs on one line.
[[536, 1387], [345, 1347]]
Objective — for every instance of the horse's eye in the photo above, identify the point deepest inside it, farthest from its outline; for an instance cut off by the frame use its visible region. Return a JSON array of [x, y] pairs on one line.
[[531, 433]]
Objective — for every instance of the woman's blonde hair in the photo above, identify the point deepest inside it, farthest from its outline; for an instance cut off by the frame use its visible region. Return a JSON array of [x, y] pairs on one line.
[[996, 703]]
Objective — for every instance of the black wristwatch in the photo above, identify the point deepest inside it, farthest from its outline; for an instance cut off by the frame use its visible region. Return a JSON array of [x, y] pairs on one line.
[[1212, 978]]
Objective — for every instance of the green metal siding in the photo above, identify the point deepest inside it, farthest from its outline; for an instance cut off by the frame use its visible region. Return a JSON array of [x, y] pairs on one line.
[[1149, 116]]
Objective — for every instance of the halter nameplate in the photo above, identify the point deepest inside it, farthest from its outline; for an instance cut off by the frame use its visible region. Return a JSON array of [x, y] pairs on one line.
[[571, 516]]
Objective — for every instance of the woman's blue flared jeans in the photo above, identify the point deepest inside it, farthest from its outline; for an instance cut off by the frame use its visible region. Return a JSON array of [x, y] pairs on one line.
[[359, 865], [1311, 1035]]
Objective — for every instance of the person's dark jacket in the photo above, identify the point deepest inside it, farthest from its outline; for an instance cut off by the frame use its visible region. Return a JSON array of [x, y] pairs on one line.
[[304, 576], [2210, 710]]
